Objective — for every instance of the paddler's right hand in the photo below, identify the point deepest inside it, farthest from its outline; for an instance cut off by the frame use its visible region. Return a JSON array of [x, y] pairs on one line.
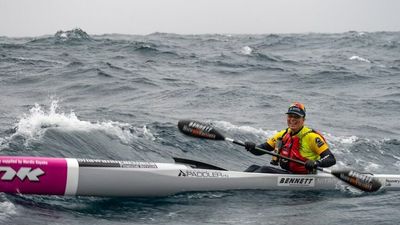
[[249, 146]]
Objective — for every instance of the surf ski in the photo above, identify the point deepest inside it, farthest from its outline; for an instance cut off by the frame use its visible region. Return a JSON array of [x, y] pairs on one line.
[[96, 177]]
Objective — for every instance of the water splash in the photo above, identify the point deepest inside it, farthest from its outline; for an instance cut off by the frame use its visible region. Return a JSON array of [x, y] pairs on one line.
[[33, 125]]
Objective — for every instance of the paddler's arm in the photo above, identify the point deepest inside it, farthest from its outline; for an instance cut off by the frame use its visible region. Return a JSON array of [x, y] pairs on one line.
[[251, 147], [327, 159], [269, 145], [318, 144]]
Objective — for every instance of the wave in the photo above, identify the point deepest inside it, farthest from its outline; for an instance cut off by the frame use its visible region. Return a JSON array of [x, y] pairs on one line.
[[151, 49], [103, 73], [358, 58], [279, 41], [75, 64], [267, 57], [7, 208], [69, 37], [334, 76], [117, 68], [354, 39], [31, 61], [8, 46], [33, 126], [246, 50], [392, 44], [76, 34], [144, 47], [227, 126]]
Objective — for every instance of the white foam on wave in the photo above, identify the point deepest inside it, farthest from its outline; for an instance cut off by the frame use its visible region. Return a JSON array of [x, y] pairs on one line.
[[360, 33], [245, 129], [358, 58], [372, 166], [394, 156], [341, 139], [246, 50], [38, 120], [347, 155], [7, 209]]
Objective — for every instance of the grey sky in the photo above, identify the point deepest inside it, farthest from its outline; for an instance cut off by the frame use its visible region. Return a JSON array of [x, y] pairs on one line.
[[40, 17]]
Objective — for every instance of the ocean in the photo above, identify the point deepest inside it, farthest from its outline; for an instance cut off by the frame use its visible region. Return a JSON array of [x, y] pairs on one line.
[[120, 97]]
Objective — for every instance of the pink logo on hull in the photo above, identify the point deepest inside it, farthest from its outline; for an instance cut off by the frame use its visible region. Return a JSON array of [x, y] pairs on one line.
[[33, 175]]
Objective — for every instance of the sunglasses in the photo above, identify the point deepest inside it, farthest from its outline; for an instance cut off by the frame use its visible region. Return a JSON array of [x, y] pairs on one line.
[[295, 116]]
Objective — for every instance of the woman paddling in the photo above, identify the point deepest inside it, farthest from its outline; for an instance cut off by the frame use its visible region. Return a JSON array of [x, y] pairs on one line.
[[298, 142]]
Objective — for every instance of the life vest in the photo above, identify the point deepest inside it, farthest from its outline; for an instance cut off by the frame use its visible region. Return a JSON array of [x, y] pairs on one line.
[[291, 148]]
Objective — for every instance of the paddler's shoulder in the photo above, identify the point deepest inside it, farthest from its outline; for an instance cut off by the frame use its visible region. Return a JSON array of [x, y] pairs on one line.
[[276, 136], [282, 133], [313, 136]]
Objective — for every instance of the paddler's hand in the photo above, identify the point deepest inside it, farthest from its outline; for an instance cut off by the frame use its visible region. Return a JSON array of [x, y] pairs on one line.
[[311, 164], [249, 146]]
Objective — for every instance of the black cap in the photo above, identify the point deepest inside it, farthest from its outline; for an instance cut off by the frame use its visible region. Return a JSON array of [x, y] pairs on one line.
[[298, 109]]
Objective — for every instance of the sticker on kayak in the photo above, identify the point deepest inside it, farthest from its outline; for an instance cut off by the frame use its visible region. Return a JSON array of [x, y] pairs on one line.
[[33, 175], [114, 163], [392, 182], [22, 173], [201, 174], [296, 181]]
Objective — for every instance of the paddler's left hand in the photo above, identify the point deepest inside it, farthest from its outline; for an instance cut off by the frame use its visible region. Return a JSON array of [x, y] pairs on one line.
[[249, 146], [311, 164]]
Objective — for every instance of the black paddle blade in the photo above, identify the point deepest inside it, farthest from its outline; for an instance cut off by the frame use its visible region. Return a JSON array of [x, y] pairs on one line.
[[361, 181], [198, 129]]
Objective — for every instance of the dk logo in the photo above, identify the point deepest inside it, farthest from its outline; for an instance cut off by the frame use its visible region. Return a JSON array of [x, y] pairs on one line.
[[22, 173]]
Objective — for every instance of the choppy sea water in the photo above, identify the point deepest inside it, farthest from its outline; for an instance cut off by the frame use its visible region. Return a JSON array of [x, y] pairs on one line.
[[120, 97]]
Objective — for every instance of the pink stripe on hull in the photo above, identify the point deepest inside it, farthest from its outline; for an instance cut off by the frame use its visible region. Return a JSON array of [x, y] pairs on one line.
[[33, 175]]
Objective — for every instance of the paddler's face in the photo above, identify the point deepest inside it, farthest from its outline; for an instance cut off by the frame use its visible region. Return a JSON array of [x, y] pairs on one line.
[[295, 122]]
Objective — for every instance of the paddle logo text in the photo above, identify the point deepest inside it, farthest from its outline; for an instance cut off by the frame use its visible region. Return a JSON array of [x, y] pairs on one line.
[[362, 181], [201, 174], [363, 177], [296, 181], [22, 173], [199, 129], [200, 126]]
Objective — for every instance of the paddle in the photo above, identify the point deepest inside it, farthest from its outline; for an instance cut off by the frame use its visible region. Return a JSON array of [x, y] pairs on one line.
[[361, 181]]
